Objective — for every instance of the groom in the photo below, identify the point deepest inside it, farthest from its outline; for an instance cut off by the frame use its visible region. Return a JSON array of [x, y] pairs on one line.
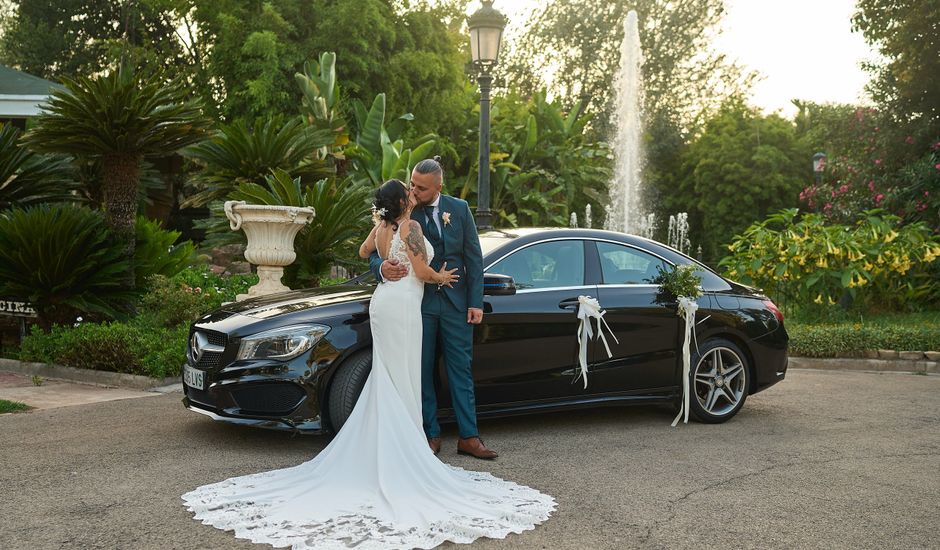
[[448, 313]]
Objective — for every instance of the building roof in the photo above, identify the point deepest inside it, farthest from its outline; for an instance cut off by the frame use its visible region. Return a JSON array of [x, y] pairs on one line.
[[22, 95], [13, 82]]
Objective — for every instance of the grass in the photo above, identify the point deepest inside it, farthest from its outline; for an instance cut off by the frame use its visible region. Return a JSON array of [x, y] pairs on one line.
[[12, 406]]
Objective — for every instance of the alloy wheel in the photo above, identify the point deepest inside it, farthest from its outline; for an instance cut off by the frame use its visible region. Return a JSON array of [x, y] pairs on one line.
[[720, 381]]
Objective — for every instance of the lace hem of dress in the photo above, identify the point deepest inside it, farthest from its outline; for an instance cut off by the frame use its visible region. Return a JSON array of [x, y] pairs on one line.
[[514, 508]]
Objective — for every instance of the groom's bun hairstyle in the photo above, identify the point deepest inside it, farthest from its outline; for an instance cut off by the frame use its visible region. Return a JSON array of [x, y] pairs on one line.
[[431, 166], [389, 196]]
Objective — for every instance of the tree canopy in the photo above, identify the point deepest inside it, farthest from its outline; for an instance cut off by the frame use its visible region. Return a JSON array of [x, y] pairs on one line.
[[579, 41]]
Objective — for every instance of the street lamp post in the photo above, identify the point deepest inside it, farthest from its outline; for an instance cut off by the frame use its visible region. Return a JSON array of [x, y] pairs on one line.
[[819, 166], [486, 32]]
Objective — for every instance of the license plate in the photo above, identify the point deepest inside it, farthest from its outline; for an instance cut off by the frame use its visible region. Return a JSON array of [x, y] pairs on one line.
[[194, 378]]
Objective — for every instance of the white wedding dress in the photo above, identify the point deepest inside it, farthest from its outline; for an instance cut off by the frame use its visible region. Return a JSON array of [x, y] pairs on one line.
[[377, 485]]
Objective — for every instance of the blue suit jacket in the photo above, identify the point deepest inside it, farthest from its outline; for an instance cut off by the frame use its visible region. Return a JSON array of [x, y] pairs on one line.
[[459, 246]]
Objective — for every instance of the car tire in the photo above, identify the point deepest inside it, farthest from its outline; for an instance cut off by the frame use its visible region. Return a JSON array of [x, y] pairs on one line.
[[346, 386], [719, 380]]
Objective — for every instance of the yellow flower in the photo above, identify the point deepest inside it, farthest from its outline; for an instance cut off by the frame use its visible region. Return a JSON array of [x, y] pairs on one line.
[[891, 236], [818, 299]]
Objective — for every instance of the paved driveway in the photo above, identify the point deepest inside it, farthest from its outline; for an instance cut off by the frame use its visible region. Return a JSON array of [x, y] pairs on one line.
[[824, 460]]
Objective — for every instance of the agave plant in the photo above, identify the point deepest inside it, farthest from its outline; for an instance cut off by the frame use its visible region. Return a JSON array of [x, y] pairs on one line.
[[59, 258], [118, 119], [27, 178], [341, 215], [242, 154], [378, 154]]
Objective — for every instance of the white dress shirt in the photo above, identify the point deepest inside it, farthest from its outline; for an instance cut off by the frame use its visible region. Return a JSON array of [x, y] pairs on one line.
[[436, 215]]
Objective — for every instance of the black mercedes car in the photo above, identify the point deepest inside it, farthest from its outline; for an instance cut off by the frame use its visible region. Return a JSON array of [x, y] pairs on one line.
[[298, 360]]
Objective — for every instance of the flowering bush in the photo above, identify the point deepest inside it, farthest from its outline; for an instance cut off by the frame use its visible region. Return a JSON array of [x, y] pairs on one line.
[[876, 165], [877, 261]]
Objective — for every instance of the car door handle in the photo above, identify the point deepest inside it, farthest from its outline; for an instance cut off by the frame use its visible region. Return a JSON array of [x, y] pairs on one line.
[[570, 303]]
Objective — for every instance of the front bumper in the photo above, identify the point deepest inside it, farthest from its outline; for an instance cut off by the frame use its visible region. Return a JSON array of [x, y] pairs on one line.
[[305, 425]]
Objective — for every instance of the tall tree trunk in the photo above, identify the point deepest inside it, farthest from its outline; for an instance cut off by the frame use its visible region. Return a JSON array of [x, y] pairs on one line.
[[120, 176]]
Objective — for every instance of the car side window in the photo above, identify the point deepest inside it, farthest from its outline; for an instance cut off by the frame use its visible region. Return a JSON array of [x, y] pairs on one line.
[[545, 265], [625, 265]]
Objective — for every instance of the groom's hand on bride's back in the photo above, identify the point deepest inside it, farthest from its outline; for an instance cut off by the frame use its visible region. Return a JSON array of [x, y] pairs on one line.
[[393, 270]]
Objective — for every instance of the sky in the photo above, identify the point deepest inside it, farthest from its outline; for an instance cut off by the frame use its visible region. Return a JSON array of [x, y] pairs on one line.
[[802, 49]]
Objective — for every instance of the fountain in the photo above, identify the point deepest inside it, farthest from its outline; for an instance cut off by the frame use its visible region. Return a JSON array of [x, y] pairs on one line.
[[573, 220], [625, 210], [587, 216], [678, 236]]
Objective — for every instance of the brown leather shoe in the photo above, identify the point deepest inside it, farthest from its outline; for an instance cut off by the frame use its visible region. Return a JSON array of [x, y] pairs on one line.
[[473, 446], [435, 444]]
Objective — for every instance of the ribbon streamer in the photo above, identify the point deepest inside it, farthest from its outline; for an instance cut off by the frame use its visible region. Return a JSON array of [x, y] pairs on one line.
[[589, 308], [687, 310]]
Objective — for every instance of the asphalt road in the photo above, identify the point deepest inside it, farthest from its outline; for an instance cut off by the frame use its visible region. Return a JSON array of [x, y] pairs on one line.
[[823, 460]]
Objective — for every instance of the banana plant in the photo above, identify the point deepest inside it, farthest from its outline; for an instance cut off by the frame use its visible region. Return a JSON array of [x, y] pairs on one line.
[[378, 153], [320, 105]]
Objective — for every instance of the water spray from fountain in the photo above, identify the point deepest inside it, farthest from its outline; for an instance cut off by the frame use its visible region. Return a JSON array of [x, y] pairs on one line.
[[678, 236], [587, 216], [626, 211]]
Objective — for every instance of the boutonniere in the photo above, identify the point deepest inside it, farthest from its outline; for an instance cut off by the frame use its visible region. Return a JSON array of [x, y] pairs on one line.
[[446, 217]]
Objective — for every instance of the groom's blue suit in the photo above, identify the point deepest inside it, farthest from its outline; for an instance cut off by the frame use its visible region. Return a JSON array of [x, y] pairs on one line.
[[444, 311]]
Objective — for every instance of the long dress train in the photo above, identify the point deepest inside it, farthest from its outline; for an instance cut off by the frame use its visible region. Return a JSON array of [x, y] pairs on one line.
[[377, 485]]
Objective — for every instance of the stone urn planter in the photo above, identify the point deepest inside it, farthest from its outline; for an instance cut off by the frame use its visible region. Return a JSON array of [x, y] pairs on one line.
[[270, 231]]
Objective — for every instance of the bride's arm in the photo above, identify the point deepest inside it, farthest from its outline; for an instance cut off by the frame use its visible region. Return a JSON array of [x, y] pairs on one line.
[[368, 245], [414, 247]]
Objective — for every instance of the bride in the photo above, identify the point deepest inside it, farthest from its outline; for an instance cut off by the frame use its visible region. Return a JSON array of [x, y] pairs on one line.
[[378, 485]]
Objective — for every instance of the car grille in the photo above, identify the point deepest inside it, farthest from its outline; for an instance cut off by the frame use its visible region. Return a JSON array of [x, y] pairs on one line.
[[269, 399], [209, 359]]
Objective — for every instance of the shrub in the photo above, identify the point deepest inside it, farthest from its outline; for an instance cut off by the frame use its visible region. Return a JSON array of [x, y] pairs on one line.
[[157, 252], [133, 348], [882, 264], [183, 298], [855, 338], [60, 259]]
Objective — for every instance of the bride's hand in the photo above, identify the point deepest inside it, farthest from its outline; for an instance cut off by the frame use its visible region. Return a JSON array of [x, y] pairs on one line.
[[446, 277]]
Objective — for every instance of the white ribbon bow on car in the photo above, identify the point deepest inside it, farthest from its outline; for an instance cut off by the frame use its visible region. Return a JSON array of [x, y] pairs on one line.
[[589, 308], [687, 309]]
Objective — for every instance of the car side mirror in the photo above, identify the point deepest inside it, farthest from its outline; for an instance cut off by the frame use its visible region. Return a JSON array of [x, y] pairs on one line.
[[495, 284]]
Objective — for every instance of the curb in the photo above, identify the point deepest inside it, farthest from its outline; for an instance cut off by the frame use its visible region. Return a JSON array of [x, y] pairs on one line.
[[87, 376], [872, 365]]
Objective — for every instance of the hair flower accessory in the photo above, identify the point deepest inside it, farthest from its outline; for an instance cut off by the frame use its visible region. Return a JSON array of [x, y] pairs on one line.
[[445, 216], [377, 214]]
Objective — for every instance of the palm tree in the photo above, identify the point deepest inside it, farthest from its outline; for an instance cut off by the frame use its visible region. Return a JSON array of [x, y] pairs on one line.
[[118, 119], [27, 179]]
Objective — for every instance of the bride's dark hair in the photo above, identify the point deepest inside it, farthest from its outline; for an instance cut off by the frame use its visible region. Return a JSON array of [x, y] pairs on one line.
[[389, 200]]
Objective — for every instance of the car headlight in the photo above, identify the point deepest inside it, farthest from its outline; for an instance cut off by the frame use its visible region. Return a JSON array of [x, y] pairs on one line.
[[281, 343]]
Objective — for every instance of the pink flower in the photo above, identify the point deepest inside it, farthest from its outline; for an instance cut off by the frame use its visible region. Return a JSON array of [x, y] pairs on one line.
[[877, 162], [828, 206], [878, 198], [935, 145], [937, 166], [926, 193], [921, 207], [833, 194], [844, 189], [871, 186]]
